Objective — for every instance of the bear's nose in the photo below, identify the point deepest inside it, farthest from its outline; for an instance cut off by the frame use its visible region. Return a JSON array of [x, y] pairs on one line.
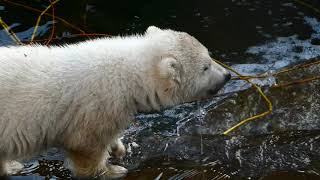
[[227, 77]]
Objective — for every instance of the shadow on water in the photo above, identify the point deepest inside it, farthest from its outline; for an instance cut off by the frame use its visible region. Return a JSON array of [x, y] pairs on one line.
[[184, 142]]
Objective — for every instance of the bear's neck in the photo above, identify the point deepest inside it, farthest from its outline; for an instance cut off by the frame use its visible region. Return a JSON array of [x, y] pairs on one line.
[[117, 69], [129, 64]]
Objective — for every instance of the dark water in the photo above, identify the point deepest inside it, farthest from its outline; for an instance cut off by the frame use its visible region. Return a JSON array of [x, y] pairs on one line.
[[185, 142]]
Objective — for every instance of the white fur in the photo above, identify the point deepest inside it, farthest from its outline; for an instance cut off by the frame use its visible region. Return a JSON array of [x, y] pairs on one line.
[[13, 167], [81, 96]]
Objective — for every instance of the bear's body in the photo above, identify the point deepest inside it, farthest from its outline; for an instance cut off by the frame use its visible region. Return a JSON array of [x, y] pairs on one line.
[[80, 97]]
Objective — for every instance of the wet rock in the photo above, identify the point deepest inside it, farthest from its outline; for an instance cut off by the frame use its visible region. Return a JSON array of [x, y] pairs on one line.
[[292, 175], [238, 156], [298, 49]]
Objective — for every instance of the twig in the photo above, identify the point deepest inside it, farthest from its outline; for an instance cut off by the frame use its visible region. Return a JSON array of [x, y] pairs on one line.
[[39, 19], [11, 34], [266, 100]]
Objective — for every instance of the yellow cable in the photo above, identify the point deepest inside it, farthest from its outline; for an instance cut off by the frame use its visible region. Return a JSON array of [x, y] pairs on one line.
[[266, 100]]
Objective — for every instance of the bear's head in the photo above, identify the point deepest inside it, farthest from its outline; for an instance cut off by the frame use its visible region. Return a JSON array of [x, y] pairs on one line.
[[184, 70]]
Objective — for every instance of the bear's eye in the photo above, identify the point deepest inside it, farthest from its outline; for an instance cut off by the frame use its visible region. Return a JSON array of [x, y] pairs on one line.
[[205, 68]]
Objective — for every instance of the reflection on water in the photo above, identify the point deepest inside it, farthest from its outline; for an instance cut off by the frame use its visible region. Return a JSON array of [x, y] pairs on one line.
[[184, 142]]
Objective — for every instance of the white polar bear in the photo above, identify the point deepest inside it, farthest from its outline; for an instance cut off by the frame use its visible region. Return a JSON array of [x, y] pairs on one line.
[[80, 97]]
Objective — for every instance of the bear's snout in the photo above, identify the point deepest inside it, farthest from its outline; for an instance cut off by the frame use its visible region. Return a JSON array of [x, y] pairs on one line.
[[217, 87]]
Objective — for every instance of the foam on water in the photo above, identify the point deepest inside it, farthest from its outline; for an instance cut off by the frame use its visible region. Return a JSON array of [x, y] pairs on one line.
[[283, 51], [276, 55]]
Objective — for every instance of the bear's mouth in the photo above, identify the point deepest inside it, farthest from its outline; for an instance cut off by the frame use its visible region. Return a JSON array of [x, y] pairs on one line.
[[215, 90], [212, 92]]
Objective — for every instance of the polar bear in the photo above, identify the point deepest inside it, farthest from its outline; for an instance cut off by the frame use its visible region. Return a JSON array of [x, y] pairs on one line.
[[80, 97]]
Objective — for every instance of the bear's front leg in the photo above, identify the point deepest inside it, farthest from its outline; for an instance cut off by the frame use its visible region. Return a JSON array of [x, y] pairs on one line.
[[117, 149], [92, 164], [13, 167], [10, 167]]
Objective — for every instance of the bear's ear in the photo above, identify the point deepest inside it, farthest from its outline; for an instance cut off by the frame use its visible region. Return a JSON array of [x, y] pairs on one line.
[[153, 29], [170, 68]]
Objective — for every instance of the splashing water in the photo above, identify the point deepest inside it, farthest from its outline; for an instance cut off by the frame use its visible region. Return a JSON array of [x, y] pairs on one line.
[[200, 116]]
